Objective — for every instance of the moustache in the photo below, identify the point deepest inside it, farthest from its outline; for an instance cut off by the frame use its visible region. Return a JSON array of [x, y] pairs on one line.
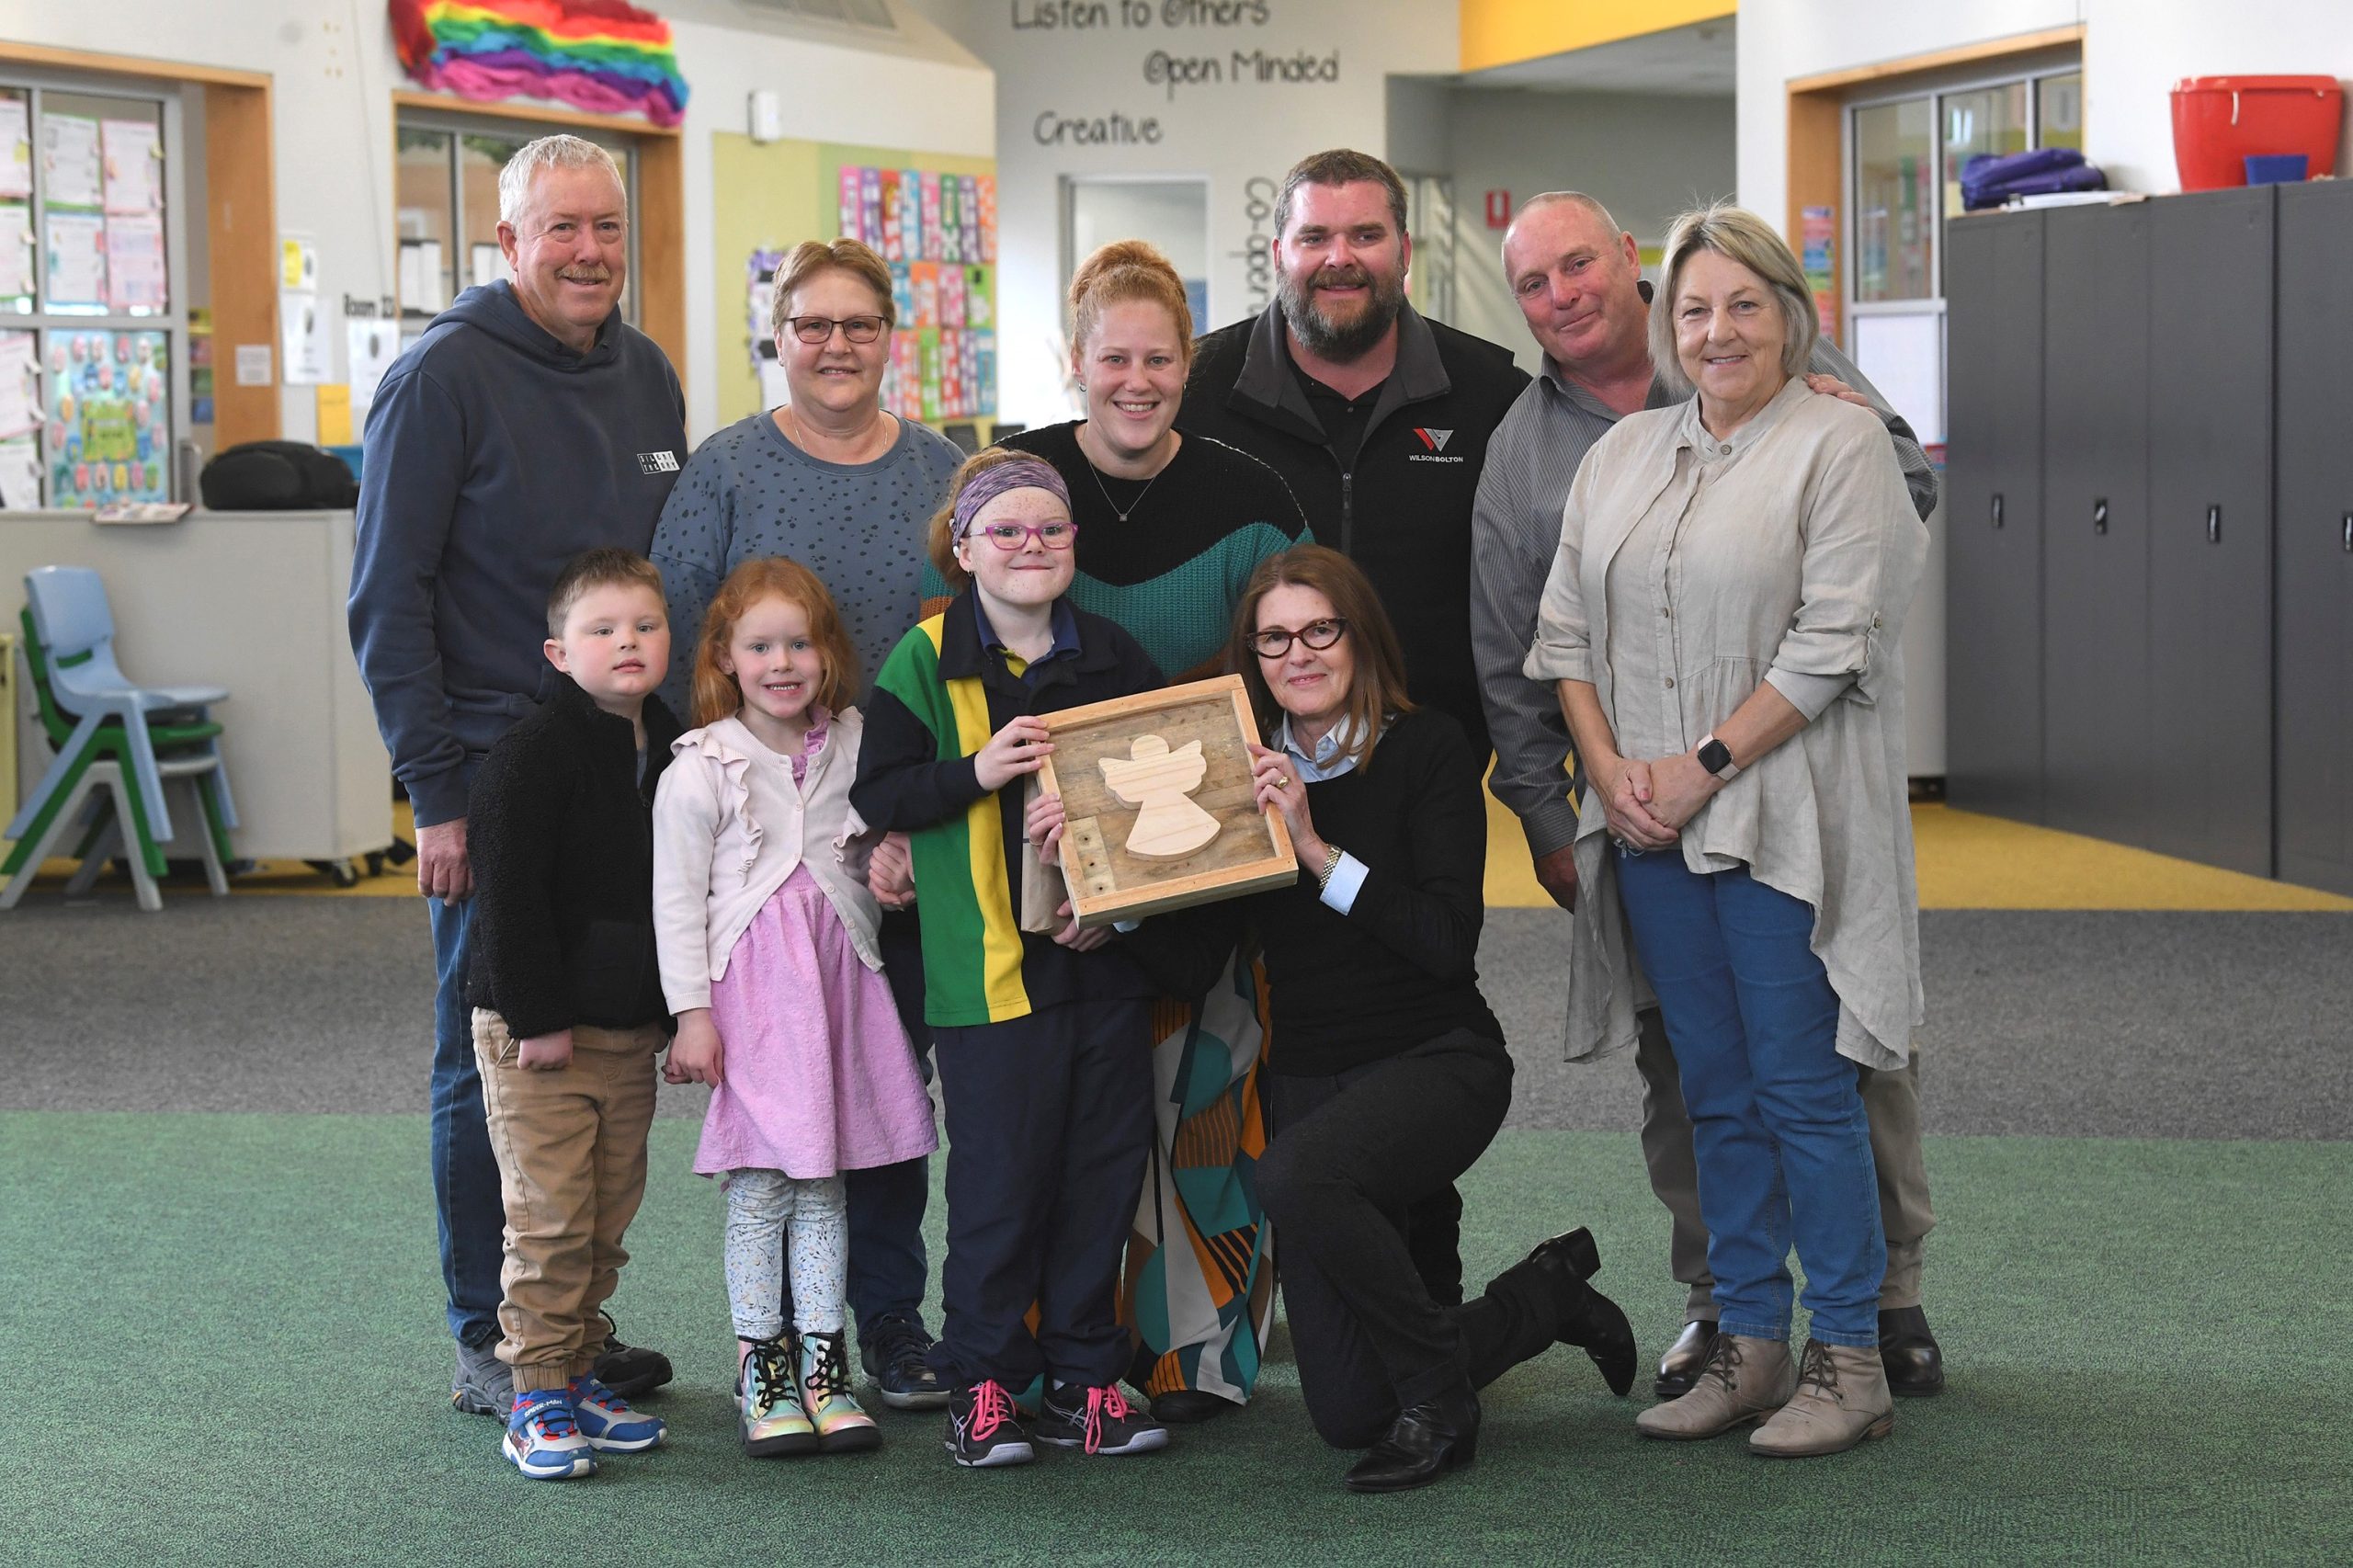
[[1345, 278], [599, 275]]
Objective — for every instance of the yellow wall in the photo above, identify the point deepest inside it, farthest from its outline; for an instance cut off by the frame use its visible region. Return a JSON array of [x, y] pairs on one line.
[[1502, 32]]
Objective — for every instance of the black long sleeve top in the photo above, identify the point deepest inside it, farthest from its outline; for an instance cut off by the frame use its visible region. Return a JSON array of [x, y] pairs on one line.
[[1402, 966], [560, 832]]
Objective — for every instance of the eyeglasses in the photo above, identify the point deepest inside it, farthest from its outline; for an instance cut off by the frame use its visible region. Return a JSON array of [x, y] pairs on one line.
[[820, 329], [1275, 641], [1011, 536]]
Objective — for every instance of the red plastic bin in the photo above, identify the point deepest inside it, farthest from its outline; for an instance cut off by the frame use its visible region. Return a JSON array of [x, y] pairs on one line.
[[2218, 120]]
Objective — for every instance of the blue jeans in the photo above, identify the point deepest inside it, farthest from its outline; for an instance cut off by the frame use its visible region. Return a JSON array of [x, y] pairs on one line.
[[1783, 1147], [465, 1174]]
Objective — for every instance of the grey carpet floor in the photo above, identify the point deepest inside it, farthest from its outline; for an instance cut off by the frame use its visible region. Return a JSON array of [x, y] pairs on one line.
[[2067, 1024]]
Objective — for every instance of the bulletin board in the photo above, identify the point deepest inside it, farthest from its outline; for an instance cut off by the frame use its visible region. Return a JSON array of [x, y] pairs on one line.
[[933, 218]]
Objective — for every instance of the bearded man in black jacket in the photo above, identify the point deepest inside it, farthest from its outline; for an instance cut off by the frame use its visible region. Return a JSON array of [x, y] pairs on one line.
[[1376, 416]]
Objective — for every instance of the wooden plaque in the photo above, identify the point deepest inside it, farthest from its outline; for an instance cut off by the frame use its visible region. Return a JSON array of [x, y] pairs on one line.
[[1157, 804]]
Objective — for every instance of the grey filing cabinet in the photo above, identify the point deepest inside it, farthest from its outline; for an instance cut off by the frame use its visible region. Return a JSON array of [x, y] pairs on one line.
[[2095, 730], [1994, 517], [2313, 535], [2209, 507]]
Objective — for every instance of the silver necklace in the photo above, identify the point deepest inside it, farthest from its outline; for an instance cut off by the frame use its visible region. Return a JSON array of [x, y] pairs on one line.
[[1106, 494]]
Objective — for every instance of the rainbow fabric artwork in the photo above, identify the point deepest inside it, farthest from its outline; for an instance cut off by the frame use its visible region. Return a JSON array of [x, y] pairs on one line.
[[604, 56]]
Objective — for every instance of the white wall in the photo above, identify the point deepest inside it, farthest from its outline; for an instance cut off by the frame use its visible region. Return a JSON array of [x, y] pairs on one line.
[[2134, 52], [1238, 135], [1647, 157], [333, 76]]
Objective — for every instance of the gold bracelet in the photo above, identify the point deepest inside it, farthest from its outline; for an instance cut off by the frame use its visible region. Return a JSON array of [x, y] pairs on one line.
[[1331, 864]]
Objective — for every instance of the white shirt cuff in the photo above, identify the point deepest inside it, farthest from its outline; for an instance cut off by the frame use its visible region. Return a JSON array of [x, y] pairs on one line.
[[1345, 881]]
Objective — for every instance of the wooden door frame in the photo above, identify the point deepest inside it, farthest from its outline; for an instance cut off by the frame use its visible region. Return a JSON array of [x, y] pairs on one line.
[[240, 216], [660, 199], [1816, 146]]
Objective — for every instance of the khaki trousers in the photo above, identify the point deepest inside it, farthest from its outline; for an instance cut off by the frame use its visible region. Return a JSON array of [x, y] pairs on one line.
[[571, 1150], [1891, 1101]]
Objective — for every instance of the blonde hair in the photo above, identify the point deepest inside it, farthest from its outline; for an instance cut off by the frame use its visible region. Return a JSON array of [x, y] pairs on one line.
[[810, 257], [1738, 235], [1123, 271], [607, 566], [716, 693]]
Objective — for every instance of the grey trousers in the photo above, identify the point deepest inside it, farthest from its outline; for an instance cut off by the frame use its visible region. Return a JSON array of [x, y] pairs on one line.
[[1890, 1099]]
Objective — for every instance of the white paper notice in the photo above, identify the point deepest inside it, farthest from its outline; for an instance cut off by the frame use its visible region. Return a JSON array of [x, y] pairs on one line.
[[252, 364], [302, 337], [20, 481], [489, 265], [15, 252], [15, 148], [371, 346], [69, 151], [134, 165], [77, 258], [19, 383], [135, 263], [420, 281]]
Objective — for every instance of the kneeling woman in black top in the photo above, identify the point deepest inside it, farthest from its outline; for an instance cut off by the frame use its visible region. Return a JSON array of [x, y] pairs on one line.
[[1388, 1075]]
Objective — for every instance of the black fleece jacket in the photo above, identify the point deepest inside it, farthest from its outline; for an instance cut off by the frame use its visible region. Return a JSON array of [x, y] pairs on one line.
[[1398, 970], [559, 830], [1402, 508]]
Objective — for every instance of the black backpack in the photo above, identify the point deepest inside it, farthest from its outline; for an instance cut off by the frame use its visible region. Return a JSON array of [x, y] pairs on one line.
[[277, 476]]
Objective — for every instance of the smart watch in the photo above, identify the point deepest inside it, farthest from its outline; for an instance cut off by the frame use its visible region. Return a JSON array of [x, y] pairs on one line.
[[1716, 757]]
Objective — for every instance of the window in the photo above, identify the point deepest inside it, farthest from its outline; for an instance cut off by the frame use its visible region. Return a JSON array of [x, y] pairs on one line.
[[446, 205], [2059, 110], [93, 313]]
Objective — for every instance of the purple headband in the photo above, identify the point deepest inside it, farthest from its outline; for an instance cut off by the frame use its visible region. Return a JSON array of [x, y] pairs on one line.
[[1024, 473]]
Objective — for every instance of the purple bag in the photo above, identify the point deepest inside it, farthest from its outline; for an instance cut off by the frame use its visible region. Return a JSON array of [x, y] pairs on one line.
[[1989, 179]]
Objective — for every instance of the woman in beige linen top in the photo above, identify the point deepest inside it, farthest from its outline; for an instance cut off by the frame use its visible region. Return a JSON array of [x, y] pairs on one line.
[[1741, 565]]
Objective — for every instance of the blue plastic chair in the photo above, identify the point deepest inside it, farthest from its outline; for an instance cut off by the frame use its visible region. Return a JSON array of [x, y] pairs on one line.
[[76, 629]]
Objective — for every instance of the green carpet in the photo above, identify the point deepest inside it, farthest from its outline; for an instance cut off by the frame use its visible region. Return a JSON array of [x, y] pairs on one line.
[[227, 1347]]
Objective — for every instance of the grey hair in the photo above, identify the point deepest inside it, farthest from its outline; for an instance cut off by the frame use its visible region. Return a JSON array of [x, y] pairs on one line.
[[1739, 236], [559, 152], [1558, 199]]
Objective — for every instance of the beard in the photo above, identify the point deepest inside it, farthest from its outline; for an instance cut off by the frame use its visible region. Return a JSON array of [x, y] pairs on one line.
[[1340, 341]]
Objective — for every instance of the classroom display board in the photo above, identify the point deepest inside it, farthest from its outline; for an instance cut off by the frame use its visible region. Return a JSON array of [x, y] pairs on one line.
[[109, 432], [937, 233], [930, 216]]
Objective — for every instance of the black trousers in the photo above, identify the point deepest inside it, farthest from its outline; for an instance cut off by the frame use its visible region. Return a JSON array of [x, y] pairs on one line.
[[1350, 1159], [1049, 1124]]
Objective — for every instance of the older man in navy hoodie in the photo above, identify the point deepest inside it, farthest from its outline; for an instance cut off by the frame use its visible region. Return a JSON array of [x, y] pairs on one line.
[[529, 423]]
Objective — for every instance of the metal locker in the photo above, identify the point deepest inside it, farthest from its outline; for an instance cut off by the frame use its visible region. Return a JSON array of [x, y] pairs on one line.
[[2095, 724], [1993, 280], [2313, 537]]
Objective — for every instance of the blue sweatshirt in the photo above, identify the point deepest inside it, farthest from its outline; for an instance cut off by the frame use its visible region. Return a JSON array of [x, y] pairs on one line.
[[495, 454]]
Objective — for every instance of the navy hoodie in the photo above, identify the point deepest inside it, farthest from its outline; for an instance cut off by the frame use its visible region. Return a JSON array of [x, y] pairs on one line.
[[495, 454]]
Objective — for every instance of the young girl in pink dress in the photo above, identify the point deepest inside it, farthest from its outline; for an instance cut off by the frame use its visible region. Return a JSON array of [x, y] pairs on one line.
[[767, 937]]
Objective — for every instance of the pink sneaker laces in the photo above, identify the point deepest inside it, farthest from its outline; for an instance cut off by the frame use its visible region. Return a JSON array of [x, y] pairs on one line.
[[992, 1408], [1100, 1402]]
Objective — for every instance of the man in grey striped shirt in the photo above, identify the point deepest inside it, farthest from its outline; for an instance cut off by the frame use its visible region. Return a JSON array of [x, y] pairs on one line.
[[1577, 278]]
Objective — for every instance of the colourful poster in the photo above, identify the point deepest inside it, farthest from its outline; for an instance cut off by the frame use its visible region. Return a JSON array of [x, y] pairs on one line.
[[77, 258], [930, 251], [951, 229], [849, 209], [951, 297], [985, 371], [895, 222], [968, 210], [135, 282], [869, 194], [108, 435], [924, 275], [905, 388], [133, 152], [929, 343], [978, 314], [951, 374], [70, 169], [902, 293], [988, 217]]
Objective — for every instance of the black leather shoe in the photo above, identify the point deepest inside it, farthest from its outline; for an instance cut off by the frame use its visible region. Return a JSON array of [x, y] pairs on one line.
[[1915, 1363], [1588, 1320], [1188, 1408], [1425, 1442], [1679, 1368], [630, 1370]]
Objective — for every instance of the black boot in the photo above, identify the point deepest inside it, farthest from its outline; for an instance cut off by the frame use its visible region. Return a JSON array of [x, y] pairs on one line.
[[1584, 1317], [1425, 1442], [1914, 1362]]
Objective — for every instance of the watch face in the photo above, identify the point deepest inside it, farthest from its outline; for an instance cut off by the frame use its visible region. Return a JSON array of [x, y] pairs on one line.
[[1715, 757]]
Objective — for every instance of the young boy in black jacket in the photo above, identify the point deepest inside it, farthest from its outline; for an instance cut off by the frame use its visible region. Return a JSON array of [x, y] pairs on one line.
[[568, 1007]]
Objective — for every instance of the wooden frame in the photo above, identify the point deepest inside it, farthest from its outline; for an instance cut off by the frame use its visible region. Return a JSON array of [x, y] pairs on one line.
[[1109, 880], [1816, 142], [661, 202]]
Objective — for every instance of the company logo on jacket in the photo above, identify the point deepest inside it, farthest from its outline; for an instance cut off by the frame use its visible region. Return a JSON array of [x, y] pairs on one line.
[[1434, 442], [657, 462]]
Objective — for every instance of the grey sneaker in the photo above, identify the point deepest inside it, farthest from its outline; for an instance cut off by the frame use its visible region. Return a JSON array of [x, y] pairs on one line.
[[483, 1385]]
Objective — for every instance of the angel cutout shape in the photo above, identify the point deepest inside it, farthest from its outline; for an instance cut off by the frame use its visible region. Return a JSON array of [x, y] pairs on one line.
[[1151, 775]]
